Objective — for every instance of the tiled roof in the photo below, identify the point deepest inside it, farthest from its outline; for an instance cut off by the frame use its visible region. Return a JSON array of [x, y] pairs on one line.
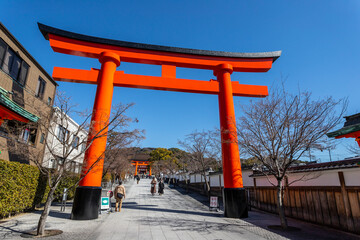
[[348, 163], [343, 164], [13, 106]]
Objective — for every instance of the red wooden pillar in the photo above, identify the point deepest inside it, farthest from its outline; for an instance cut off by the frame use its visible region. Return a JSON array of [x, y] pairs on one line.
[[234, 193], [136, 168], [87, 196]]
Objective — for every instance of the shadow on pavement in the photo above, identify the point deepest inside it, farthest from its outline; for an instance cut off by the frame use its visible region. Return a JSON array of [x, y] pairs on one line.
[[129, 203], [307, 230], [198, 197], [258, 220], [151, 208], [56, 214], [11, 229], [58, 204], [179, 224]]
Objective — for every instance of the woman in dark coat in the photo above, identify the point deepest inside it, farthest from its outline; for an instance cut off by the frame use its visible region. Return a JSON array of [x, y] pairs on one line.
[[161, 187]]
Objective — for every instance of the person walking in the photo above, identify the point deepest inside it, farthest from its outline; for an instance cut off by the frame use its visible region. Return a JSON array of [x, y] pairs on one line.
[[119, 194], [161, 187], [137, 179], [153, 186]]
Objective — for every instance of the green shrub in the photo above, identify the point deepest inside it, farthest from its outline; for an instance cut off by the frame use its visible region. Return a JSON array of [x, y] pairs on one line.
[[69, 183], [22, 187]]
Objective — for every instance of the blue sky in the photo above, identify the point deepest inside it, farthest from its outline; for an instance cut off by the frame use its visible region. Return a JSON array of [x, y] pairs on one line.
[[319, 42]]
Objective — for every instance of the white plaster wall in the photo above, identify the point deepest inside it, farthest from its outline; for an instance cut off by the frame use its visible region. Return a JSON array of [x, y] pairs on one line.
[[264, 182], [215, 181], [318, 178], [196, 178], [247, 181], [352, 177], [192, 178]]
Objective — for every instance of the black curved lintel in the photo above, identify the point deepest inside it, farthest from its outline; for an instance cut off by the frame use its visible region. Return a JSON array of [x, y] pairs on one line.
[[45, 30]]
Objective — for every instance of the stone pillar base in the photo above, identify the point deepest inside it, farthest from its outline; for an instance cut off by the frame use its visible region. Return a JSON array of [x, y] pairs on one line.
[[235, 203], [86, 203]]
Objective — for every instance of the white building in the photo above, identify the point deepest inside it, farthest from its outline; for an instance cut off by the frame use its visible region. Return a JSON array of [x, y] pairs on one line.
[[65, 137]]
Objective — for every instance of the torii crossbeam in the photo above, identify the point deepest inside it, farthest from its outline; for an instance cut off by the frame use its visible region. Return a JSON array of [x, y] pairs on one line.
[[111, 52]]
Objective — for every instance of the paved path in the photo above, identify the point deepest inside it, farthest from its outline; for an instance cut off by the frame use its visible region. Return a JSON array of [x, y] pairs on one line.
[[172, 216]]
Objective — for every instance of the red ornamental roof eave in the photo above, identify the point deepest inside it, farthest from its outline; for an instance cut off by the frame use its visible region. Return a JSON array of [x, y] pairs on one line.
[[349, 135], [6, 113]]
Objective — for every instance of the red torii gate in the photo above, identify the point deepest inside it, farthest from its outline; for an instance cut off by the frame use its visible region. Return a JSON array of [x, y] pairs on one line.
[[138, 163], [111, 52]]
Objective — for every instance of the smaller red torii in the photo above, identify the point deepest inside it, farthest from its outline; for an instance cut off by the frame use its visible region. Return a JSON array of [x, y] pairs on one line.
[[138, 163]]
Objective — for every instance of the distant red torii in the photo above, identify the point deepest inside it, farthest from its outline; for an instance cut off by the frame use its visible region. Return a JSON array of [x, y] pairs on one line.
[[138, 163]]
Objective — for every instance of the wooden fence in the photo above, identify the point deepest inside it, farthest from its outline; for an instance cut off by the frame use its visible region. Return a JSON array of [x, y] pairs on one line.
[[337, 207], [333, 206]]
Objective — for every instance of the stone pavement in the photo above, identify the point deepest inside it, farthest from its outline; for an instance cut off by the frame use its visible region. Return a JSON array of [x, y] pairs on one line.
[[175, 215]]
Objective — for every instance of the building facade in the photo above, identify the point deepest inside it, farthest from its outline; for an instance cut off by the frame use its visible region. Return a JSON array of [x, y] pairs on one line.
[[25, 87], [66, 143]]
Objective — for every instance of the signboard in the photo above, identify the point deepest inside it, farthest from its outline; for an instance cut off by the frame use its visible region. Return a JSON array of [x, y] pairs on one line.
[[105, 203], [213, 202]]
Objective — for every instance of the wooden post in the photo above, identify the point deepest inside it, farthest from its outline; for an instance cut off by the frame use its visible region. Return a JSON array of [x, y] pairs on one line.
[[349, 219], [256, 200]]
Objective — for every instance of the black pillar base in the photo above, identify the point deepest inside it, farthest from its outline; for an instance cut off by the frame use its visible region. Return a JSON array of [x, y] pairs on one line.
[[235, 203], [86, 203]]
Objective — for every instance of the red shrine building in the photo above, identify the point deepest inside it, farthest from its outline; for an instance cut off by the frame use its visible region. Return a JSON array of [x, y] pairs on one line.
[[351, 129]]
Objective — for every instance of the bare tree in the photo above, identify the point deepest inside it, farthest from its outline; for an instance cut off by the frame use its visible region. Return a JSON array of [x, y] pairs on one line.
[[353, 148], [118, 147], [281, 128], [202, 153], [61, 143], [181, 158]]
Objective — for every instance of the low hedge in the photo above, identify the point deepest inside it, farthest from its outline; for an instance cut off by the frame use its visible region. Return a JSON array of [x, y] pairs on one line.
[[22, 187], [69, 183]]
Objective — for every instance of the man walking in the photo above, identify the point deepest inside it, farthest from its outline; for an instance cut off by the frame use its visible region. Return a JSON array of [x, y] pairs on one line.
[[119, 194]]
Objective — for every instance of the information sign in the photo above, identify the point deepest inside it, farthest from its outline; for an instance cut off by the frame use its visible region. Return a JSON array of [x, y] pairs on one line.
[[213, 202], [105, 203]]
